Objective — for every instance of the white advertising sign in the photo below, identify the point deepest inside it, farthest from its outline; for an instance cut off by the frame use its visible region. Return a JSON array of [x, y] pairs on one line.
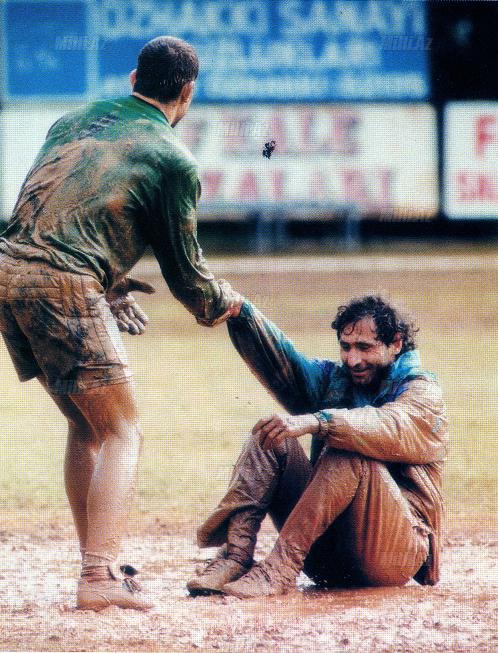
[[22, 132], [379, 157], [471, 160]]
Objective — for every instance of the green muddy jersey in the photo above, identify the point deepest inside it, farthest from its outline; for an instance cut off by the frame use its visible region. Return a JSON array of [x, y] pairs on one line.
[[111, 179]]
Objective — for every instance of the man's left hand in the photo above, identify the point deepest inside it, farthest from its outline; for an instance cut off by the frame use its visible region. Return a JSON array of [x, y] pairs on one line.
[[273, 430], [127, 313]]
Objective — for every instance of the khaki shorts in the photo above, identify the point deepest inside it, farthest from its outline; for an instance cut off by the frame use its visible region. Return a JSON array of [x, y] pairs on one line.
[[59, 324]]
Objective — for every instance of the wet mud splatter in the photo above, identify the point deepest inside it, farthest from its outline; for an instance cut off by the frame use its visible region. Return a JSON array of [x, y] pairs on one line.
[[37, 612]]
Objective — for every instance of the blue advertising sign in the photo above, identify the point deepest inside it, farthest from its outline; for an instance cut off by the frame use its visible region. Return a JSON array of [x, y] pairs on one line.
[[250, 50], [36, 63]]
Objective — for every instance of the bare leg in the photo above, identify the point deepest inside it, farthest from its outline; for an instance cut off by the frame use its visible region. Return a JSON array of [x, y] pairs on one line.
[[81, 454], [112, 415], [100, 470]]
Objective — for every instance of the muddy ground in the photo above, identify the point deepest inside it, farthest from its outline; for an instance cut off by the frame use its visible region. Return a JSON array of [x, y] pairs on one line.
[[39, 567]]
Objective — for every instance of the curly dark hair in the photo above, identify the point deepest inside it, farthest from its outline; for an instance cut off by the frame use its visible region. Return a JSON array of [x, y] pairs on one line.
[[164, 66], [388, 320]]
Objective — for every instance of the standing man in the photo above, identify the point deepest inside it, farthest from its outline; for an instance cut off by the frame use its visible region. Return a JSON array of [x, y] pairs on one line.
[[367, 509], [111, 179]]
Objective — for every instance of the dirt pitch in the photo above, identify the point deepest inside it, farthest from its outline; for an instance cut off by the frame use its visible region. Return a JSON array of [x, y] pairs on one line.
[[38, 578]]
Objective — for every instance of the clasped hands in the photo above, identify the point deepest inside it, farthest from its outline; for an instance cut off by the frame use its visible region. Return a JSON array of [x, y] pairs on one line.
[[234, 301], [272, 431]]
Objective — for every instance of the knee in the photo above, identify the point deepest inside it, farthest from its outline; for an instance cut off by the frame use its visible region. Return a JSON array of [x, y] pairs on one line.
[[130, 430], [125, 431], [253, 445], [338, 460]]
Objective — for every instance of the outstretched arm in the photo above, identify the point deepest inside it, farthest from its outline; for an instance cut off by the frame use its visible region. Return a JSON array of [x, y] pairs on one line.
[[172, 232], [296, 381]]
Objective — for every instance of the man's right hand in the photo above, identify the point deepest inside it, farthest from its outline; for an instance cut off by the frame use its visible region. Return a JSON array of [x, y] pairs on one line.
[[236, 299], [273, 430]]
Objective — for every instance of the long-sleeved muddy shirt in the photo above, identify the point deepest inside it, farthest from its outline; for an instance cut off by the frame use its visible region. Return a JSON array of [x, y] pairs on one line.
[[111, 179], [404, 425]]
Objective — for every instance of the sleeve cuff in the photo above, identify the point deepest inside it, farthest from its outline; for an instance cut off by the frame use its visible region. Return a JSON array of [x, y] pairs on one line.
[[323, 420]]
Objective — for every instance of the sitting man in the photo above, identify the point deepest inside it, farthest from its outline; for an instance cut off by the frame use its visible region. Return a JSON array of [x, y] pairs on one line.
[[367, 509]]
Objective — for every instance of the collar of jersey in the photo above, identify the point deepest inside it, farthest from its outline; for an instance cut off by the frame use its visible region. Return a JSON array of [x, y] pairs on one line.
[[146, 109]]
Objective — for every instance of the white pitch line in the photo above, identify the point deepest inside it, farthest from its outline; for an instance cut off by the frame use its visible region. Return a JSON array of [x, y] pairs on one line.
[[344, 264]]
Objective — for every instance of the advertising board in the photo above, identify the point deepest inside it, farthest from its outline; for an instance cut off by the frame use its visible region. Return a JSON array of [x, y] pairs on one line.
[[250, 50], [471, 160], [381, 158]]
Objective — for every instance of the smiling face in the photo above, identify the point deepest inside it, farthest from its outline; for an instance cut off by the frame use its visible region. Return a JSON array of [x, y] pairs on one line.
[[366, 358]]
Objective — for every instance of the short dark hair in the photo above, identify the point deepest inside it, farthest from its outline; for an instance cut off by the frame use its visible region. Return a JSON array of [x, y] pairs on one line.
[[164, 66], [388, 320]]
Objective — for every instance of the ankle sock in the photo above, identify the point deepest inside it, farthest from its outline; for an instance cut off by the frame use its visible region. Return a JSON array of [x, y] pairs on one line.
[[95, 568]]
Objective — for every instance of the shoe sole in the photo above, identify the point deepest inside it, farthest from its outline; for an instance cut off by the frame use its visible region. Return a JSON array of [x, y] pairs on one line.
[[203, 591]]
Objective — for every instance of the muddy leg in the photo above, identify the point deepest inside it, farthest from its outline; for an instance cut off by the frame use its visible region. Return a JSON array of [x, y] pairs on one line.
[[81, 454], [387, 542], [262, 482], [111, 413], [376, 541]]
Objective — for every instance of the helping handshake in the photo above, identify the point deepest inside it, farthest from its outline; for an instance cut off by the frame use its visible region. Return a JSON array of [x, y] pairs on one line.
[[131, 318]]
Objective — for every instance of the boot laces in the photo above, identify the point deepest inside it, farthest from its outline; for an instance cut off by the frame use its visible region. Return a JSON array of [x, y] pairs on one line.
[[214, 564], [261, 570], [131, 585]]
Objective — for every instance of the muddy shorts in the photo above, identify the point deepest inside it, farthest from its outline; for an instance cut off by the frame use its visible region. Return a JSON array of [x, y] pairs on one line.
[[59, 324]]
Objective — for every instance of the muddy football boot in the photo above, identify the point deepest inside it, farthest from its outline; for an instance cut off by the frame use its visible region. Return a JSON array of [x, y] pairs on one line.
[[261, 580], [100, 594], [218, 572], [275, 575]]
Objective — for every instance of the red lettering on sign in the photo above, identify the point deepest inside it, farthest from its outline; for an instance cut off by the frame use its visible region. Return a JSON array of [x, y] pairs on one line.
[[337, 135], [485, 133], [277, 190], [353, 183], [211, 183], [277, 132], [368, 188], [305, 122], [344, 133], [475, 187], [318, 187], [236, 130], [248, 187]]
